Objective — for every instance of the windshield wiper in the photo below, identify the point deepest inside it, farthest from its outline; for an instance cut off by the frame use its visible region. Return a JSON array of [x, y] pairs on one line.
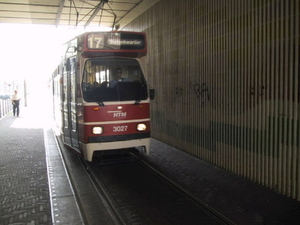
[[140, 90], [137, 102], [100, 103], [96, 98]]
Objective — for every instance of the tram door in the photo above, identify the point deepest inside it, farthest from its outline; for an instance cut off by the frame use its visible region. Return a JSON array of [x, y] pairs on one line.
[[69, 104]]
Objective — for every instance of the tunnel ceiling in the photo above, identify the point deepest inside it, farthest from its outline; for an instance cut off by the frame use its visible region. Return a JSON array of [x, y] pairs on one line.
[[75, 13]]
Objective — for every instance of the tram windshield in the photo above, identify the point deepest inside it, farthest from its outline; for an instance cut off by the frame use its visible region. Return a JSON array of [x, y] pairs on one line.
[[113, 79]]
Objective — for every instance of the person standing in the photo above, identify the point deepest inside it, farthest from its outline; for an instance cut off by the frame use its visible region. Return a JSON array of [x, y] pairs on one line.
[[16, 103]]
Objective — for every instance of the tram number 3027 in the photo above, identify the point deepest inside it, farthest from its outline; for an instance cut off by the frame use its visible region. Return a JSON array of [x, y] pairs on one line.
[[119, 128]]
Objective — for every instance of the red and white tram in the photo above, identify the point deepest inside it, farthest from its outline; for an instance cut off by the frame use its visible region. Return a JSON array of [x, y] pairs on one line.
[[96, 107]]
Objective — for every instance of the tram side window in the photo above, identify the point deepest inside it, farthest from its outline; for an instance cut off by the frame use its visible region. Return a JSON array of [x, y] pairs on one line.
[[72, 80], [102, 83], [64, 99]]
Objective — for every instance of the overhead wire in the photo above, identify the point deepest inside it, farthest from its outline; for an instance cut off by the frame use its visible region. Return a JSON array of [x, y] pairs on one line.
[[77, 13], [110, 10], [100, 17], [70, 13], [115, 16]]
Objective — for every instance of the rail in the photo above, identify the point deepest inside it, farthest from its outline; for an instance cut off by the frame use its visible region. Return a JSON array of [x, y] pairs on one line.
[[219, 217], [122, 207]]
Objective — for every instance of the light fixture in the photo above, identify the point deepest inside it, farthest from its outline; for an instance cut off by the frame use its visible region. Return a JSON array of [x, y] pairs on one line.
[[141, 127], [97, 130]]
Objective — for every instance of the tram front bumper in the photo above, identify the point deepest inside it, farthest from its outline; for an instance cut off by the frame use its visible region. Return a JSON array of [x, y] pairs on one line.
[[90, 148]]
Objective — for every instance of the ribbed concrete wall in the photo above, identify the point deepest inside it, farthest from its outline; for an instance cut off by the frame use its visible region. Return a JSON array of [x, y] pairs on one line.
[[226, 74]]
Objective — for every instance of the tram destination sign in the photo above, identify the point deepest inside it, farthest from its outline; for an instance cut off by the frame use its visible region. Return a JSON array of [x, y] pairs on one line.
[[116, 41]]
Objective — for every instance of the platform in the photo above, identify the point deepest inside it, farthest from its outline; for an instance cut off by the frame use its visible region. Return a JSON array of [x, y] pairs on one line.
[[35, 188]]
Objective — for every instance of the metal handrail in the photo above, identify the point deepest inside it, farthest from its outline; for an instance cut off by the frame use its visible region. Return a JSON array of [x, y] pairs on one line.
[[5, 107]]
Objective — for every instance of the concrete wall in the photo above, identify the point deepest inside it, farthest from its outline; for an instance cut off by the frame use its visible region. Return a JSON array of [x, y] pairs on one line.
[[226, 75]]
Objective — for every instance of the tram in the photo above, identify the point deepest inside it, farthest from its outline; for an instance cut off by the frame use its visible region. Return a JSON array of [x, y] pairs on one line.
[[101, 99]]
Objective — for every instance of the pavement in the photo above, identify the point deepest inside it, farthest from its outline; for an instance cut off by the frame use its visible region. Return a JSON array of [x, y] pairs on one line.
[[24, 197], [35, 187]]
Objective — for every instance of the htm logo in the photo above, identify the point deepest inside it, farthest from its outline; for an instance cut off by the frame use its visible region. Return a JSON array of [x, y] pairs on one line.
[[119, 114]]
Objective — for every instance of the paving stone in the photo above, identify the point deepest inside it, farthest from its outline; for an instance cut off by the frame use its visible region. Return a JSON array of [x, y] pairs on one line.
[[24, 196]]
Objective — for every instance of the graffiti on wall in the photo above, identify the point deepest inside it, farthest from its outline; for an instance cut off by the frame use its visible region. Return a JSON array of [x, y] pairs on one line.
[[203, 93], [234, 100]]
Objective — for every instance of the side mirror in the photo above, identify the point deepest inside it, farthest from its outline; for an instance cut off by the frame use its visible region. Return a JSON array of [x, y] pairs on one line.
[[71, 49], [152, 94]]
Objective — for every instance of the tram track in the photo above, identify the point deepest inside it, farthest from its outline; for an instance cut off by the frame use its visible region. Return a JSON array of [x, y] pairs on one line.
[[134, 192], [109, 191], [103, 194], [92, 203], [177, 187]]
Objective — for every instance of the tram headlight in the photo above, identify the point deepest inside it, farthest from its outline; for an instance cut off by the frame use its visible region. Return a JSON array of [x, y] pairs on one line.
[[97, 130], [141, 127]]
